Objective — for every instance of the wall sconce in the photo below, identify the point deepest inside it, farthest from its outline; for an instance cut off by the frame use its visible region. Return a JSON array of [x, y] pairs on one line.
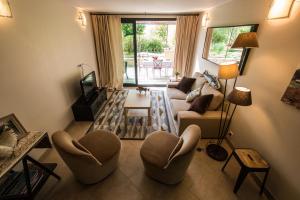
[[81, 18], [5, 9], [204, 20], [280, 9]]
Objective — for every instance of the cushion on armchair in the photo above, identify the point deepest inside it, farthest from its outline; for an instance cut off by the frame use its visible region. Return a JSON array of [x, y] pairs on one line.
[[158, 147], [102, 144]]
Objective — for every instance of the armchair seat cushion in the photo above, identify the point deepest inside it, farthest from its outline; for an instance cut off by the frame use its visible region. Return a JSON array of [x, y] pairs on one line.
[[174, 93], [102, 144], [158, 147]]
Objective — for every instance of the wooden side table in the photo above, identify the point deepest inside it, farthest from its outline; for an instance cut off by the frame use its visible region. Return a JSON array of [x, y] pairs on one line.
[[250, 161]]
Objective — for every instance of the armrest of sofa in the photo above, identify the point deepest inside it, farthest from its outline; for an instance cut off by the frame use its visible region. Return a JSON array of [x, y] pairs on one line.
[[172, 84], [208, 122]]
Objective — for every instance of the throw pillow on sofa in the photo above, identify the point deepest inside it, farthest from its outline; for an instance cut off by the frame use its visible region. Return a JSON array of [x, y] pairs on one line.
[[212, 80], [193, 94], [199, 82], [217, 99], [185, 84], [201, 103]]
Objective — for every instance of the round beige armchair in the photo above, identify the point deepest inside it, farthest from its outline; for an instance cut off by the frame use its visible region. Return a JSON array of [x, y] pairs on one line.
[[92, 158], [166, 157]]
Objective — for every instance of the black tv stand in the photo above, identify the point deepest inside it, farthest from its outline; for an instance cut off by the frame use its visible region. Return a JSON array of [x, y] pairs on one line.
[[87, 110]]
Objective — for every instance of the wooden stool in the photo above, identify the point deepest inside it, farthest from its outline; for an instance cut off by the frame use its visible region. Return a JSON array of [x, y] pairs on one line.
[[250, 161]]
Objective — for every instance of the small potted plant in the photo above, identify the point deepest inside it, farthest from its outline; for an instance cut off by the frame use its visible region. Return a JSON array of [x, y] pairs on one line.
[[176, 75]]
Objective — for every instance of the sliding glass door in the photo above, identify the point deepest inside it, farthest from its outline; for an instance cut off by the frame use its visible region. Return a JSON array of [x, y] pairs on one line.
[[149, 46], [129, 51]]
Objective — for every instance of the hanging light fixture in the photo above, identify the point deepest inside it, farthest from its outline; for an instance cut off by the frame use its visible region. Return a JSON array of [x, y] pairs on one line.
[[5, 9]]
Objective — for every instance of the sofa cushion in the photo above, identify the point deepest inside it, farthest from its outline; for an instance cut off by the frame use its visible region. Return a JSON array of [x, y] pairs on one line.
[[193, 94], [174, 93], [201, 103], [217, 99], [197, 74], [199, 82], [185, 84], [212, 80], [179, 105]]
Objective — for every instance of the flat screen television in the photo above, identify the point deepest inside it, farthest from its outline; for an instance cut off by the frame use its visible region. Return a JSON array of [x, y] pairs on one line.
[[88, 85]]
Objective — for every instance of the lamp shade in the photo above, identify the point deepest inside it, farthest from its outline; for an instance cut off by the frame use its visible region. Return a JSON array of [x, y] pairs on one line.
[[5, 9], [246, 40], [228, 71], [240, 96]]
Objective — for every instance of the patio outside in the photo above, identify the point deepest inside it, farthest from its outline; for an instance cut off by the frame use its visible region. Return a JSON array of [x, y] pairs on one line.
[[155, 52]]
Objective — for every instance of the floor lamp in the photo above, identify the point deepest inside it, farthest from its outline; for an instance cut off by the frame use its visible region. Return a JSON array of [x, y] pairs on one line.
[[239, 96], [215, 150], [245, 41]]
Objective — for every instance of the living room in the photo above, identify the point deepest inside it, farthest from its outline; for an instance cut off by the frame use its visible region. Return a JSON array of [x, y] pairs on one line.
[[48, 48]]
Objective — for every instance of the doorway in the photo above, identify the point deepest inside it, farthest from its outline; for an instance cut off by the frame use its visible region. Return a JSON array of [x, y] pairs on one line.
[[148, 48]]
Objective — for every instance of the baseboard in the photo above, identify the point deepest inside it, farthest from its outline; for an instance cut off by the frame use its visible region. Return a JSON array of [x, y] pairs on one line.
[[267, 192]]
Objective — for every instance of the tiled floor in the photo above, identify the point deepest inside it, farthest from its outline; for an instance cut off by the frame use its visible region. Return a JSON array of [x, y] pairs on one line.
[[204, 179]]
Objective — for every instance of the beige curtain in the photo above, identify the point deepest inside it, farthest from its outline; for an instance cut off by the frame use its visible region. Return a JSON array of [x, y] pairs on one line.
[[108, 44], [186, 38]]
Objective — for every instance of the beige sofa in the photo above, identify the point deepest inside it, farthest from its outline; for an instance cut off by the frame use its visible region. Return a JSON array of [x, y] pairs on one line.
[[209, 121]]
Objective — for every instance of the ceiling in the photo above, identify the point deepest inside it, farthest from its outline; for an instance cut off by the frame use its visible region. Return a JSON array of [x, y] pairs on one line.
[[146, 6]]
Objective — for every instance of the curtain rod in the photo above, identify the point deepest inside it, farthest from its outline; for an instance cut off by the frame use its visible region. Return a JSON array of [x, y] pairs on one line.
[[145, 14]]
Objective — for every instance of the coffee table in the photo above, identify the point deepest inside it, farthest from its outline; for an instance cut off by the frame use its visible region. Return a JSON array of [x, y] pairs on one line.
[[135, 102]]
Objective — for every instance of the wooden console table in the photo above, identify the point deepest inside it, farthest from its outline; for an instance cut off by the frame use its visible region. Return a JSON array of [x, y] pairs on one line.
[[13, 179]]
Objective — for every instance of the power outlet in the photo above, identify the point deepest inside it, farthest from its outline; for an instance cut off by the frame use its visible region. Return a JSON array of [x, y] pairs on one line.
[[230, 133]]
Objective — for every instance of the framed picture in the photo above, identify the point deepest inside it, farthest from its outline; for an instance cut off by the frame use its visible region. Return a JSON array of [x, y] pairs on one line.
[[292, 93], [11, 122], [218, 42]]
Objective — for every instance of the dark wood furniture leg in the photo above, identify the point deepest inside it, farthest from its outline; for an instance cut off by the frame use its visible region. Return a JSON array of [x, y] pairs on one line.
[[240, 179], [227, 161], [264, 182], [40, 165], [27, 178]]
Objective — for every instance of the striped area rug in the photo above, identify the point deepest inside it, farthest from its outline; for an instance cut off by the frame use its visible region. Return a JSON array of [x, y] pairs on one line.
[[111, 117]]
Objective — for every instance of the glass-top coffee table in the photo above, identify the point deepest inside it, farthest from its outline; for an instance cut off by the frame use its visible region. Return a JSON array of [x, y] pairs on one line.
[[137, 104]]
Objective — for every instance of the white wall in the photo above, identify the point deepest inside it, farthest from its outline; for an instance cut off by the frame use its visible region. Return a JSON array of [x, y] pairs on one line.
[[269, 125], [40, 48]]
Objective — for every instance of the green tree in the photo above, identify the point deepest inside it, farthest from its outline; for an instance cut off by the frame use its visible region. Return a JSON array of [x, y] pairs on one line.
[[127, 29], [140, 28], [155, 46], [128, 44], [162, 32]]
